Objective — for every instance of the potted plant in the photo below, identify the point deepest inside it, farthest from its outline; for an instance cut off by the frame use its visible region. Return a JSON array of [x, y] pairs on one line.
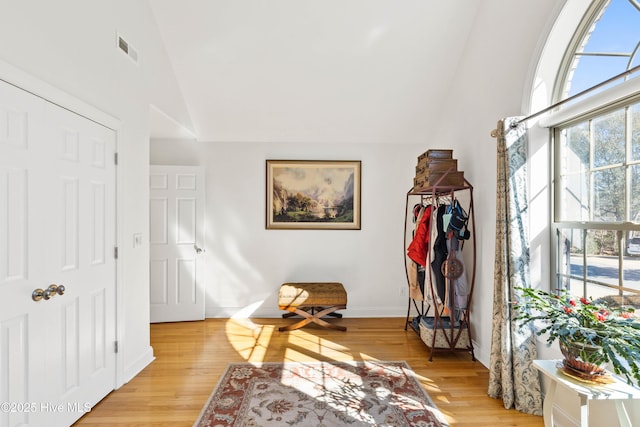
[[590, 332]]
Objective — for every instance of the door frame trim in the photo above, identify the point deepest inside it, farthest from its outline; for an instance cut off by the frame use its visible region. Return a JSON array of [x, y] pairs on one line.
[[29, 83]]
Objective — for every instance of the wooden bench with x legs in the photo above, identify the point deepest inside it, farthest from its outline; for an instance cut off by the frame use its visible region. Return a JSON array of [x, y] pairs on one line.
[[312, 301]]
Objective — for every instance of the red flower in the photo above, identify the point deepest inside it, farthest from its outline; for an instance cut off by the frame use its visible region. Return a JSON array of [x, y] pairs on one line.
[[572, 302], [601, 316], [567, 310], [626, 315], [585, 301]]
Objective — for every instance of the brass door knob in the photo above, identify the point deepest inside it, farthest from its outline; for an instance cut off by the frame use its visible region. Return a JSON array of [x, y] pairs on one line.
[[50, 292], [37, 294], [46, 294]]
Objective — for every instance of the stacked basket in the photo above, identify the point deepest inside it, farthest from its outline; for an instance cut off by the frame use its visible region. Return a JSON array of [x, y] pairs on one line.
[[437, 168]]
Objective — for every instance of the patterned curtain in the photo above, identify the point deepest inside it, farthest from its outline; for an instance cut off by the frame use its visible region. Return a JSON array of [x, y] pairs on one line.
[[512, 377]]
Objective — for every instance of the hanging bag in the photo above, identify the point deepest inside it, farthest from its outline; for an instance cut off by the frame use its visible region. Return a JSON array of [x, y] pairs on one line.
[[458, 221]]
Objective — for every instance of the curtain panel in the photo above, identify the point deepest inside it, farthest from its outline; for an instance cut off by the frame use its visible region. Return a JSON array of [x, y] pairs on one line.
[[512, 377]]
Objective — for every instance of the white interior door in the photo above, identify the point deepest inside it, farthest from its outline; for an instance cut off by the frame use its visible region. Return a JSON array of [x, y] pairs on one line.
[[57, 227], [22, 335], [81, 237], [176, 237]]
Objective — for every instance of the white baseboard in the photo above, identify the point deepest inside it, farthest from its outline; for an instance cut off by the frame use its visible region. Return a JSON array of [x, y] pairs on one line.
[[136, 367], [227, 312]]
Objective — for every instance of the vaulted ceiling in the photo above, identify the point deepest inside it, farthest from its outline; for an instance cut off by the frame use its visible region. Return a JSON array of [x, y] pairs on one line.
[[343, 71]]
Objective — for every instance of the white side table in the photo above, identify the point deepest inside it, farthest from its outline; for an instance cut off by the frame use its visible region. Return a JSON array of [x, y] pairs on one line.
[[618, 391]]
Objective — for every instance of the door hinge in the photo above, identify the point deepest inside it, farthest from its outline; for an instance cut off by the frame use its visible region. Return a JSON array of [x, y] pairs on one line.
[[115, 346], [115, 252], [115, 159]]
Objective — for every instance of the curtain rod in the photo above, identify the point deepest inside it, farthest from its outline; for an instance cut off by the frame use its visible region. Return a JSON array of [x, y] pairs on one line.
[[571, 98]]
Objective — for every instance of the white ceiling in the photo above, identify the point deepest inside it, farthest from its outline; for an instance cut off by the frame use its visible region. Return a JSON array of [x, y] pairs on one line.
[[342, 71]]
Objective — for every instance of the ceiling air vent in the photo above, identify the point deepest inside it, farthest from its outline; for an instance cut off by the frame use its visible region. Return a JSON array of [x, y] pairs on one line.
[[127, 49]]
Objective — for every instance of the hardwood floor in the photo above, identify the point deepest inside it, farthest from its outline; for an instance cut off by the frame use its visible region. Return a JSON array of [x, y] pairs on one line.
[[191, 357]]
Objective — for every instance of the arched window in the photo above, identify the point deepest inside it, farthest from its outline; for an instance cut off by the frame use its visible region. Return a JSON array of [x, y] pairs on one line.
[[606, 44], [596, 215]]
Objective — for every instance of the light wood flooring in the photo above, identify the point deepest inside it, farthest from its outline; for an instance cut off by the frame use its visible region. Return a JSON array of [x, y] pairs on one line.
[[191, 357]]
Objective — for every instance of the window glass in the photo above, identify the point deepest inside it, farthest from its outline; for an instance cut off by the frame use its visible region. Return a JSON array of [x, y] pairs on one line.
[[601, 245], [598, 175], [608, 195], [608, 47], [631, 264], [618, 30], [588, 264], [634, 214], [574, 175], [576, 151], [591, 70], [575, 197], [635, 132], [609, 139]]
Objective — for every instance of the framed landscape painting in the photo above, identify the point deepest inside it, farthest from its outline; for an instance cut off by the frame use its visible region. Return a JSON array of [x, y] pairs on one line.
[[313, 194]]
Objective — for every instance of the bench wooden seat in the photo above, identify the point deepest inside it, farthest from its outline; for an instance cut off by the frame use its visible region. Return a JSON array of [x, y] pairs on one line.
[[312, 301]]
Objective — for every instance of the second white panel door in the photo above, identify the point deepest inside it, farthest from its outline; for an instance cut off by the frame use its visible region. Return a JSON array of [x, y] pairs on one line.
[[176, 237]]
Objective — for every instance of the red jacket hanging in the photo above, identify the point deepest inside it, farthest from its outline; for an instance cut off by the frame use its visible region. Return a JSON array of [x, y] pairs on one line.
[[419, 246]]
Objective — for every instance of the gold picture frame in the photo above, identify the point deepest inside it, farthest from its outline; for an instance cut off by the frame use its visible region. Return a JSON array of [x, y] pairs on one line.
[[313, 194]]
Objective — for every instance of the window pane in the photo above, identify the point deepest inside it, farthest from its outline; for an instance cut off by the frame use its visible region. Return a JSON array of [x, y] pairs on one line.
[[576, 246], [630, 299], [596, 292], [635, 132], [634, 64], [613, 37], [634, 212], [617, 31], [631, 265], [575, 150], [592, 70], [601, 244], [569, 263], [574, 205], [574, 175], [602, 262], [608, 139], [608, 195], [576, 288]]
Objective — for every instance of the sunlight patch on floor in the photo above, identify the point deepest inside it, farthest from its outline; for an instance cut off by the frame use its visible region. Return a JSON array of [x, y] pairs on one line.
[[250, 340]]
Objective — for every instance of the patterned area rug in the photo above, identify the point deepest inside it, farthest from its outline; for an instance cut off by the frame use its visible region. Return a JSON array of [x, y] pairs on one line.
[[320, 394]]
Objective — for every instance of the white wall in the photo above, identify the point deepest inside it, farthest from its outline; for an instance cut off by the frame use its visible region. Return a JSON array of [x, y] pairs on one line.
[[246, 263], [71, 45]]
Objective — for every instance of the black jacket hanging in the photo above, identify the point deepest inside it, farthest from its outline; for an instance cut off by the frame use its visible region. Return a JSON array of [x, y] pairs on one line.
[[440, 253]]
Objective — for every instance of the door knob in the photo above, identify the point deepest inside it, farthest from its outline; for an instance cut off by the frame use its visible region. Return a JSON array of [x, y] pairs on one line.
[[198, 249], [37, 294], [50, 292], [46, 294]]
